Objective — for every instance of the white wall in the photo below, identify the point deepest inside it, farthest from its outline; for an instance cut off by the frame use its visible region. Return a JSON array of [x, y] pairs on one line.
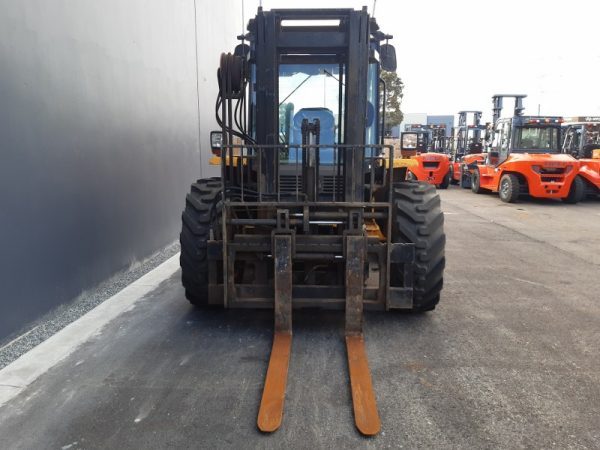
[[99, 137]]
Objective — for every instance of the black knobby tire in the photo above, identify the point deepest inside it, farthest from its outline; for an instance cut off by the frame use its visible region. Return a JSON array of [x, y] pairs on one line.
[[201, 214], [476, 181], [446, 181], [576, 191], [465, 178], [510, 188], [418, 218]]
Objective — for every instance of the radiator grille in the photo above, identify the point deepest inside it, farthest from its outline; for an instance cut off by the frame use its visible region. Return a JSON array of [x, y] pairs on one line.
[[327, 184]]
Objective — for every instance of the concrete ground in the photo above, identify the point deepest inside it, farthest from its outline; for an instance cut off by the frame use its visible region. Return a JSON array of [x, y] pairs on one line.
[[509, 359]]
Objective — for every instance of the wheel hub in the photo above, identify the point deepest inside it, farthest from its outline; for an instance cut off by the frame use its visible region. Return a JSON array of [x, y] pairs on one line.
[[504, 188]]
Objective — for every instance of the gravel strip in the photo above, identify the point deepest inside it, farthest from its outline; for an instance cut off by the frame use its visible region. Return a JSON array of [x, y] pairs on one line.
[[63, 315]]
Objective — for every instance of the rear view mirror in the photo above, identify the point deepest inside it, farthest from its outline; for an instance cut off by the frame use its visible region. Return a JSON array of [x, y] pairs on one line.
[[408, 141], [387, 54], [216, 142]]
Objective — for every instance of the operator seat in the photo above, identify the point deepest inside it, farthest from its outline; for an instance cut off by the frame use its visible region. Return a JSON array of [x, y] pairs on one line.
[[527, 144], [475, 148], [326, 134]]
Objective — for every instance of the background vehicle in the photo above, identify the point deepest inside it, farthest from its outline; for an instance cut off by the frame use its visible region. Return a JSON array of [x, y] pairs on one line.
[[432, 166], [468, 148], [582, 140], [308, 211], [440, 142], [418, 140], [524, 158]]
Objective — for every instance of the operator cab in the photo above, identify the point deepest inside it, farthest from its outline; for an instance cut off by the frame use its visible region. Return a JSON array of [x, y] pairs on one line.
[[581, 136], [313, 105], [524, 134]]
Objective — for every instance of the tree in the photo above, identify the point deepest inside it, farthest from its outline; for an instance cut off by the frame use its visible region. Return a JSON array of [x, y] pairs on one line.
[[394, 94]]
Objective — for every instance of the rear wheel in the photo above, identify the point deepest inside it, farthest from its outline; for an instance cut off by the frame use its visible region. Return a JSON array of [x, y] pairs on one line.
[[418, 218], [465, 178], [446, 181], [201, 215], [576, 192], [510, 188], [476, 181]]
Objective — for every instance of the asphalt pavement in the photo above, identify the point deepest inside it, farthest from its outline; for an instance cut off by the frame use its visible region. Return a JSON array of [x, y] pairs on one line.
[[509, 359]]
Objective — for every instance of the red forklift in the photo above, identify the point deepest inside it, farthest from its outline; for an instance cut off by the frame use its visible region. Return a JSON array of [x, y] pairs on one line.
[[525, 158], [582, 141], [417, 143], [468, 146]]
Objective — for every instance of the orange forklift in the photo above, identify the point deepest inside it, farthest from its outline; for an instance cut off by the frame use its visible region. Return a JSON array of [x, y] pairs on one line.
[[524, 158], [417, 143], [467, 151], [582, 141]]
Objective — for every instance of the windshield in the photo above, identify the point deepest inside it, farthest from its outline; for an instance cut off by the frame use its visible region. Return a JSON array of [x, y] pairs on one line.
[[306, 87], [537, 139], [309, 92]]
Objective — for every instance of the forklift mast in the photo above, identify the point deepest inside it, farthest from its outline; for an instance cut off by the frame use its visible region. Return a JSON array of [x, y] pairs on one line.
[[498, 100], [439, 139], [468, 136]]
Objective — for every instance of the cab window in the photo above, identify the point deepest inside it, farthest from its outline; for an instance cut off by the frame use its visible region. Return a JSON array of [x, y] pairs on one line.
[[504, 141], [540, 139]]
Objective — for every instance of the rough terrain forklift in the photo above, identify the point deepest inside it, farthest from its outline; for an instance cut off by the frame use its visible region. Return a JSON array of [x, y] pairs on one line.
[[310, 211], [433, 164], [468, 148], [582, 140], [524, 157]]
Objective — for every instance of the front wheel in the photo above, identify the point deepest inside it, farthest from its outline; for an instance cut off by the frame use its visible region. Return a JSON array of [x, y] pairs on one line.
[[200, 217], [476, 181], [418, 218], [510, 188]]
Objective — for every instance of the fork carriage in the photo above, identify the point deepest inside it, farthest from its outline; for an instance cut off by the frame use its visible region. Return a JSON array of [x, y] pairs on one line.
[[317, 219]]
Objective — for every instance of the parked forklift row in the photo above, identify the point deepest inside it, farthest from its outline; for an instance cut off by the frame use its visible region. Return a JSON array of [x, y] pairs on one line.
[[540, 156]]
